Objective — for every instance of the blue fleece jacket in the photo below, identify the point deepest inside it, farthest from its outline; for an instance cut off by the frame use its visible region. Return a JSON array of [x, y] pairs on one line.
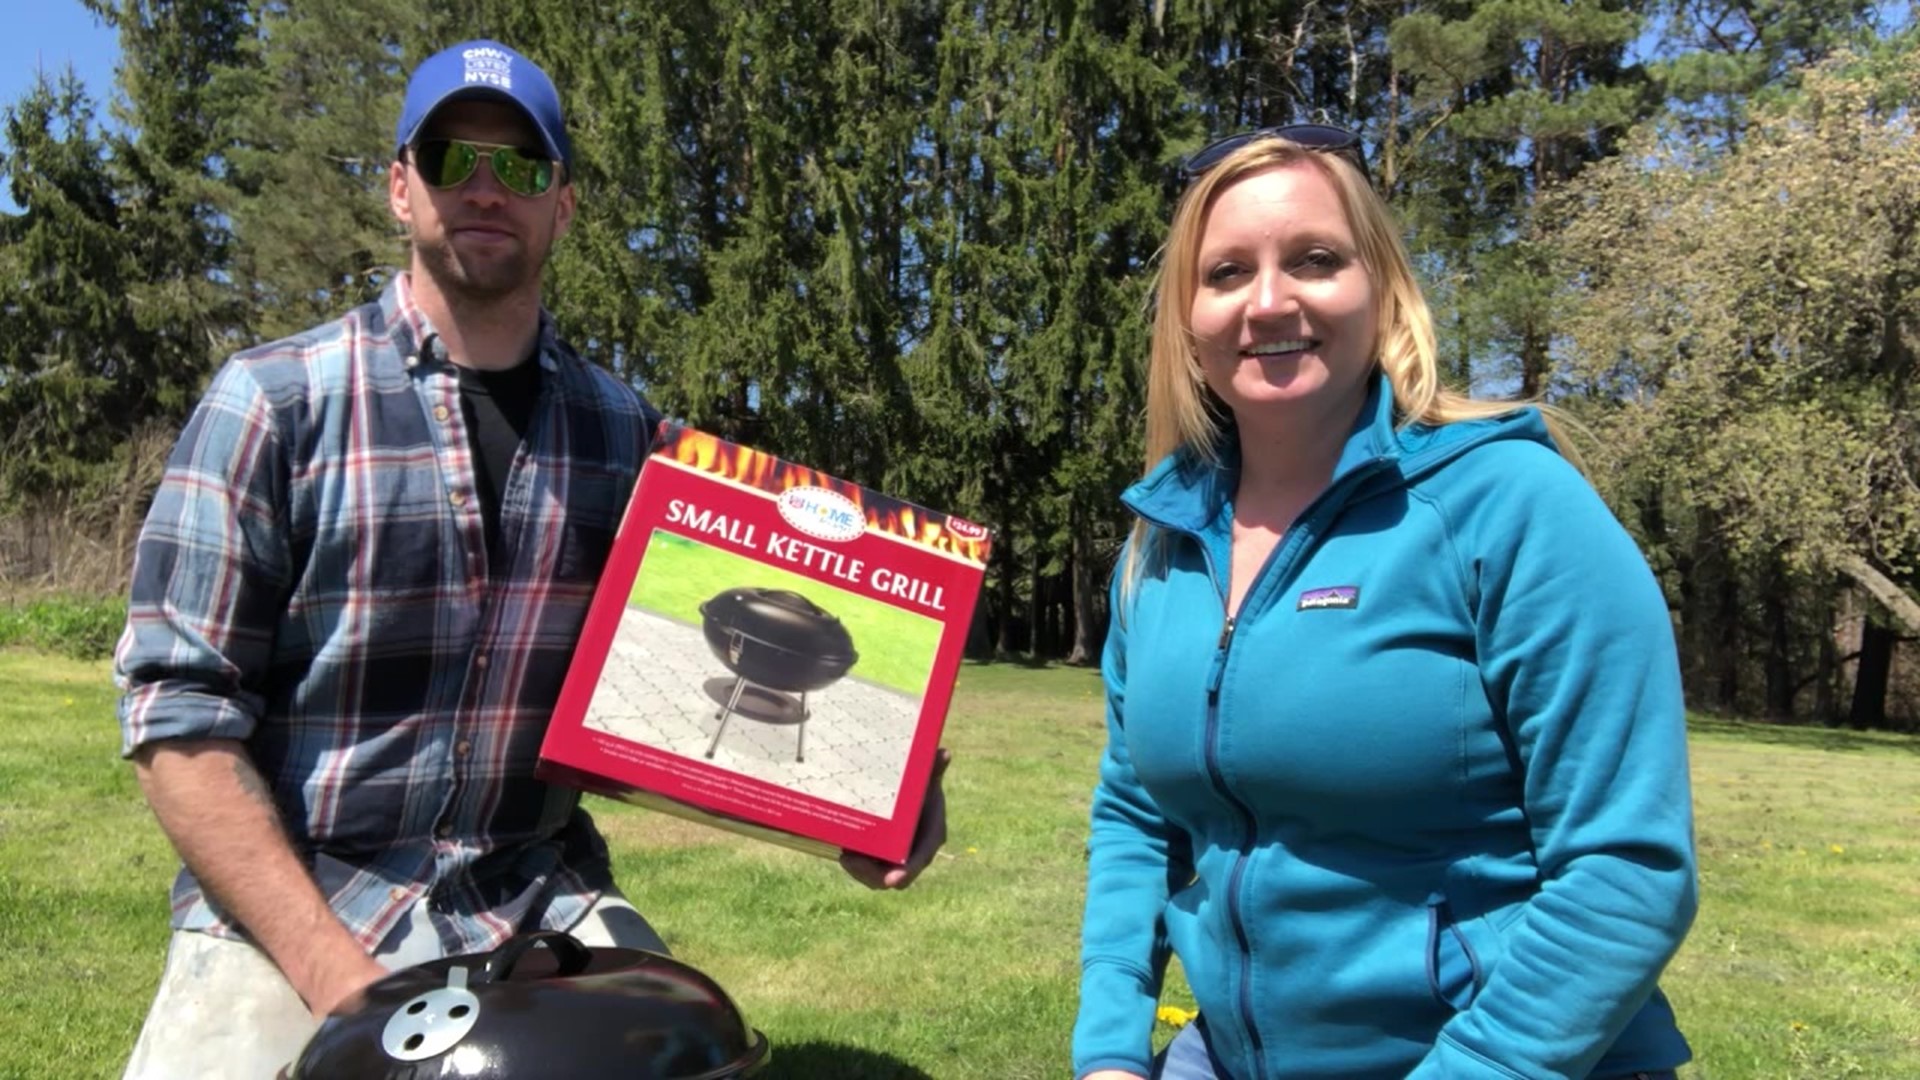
[[1421, 809]]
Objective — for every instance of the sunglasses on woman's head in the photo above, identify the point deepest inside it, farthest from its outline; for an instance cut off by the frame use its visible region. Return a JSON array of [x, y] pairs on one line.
[[1322, 137], [448, 163]]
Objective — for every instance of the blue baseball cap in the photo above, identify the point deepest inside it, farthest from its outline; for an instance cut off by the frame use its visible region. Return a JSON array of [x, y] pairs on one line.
[[484, 70]]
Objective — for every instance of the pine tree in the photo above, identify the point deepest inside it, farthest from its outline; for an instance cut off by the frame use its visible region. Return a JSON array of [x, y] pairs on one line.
[[309, 105], [70, 349], [1518, 96]]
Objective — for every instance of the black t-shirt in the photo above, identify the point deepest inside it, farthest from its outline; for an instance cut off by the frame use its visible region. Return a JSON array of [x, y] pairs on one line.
[[499, 408]]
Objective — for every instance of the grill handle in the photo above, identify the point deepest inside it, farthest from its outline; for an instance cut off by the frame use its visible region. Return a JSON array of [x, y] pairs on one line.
[[572, 956]]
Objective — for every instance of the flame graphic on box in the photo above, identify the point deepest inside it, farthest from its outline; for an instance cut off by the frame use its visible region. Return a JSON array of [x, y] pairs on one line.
[[754, 468]]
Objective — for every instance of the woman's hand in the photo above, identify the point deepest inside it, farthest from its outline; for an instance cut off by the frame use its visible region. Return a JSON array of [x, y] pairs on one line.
[[930, 834]]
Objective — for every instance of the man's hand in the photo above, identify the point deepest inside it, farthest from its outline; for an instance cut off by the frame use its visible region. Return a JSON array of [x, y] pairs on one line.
[[927, 838], [221, 817], [331, 985]]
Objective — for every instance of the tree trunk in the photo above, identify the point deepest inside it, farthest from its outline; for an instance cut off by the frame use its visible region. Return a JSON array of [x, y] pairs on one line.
[[1036, 612], [1870, 678], [1825, 708], [1534, 362], [1085, 609], [1003, 638], [1779, 663], [980, 634], [1727, 652], [1885, 590]]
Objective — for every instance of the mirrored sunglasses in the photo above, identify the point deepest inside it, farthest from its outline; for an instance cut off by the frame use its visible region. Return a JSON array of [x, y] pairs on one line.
[[1323, 137], [448, 163]]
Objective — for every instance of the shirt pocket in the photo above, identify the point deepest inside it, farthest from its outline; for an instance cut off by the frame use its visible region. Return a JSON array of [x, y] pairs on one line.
[[589, 516]]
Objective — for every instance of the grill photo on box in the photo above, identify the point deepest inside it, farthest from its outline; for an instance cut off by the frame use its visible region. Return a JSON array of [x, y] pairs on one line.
[[779, 646]]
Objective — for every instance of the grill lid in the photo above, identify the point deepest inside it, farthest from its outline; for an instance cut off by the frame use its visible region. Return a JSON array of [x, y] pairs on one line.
[[562, 1012], [783, 619]]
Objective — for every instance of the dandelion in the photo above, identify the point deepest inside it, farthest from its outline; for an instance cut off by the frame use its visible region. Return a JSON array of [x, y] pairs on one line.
[[1836, 849], [973, 851], [1174, 1016], [1797, 1026], [69, 701]]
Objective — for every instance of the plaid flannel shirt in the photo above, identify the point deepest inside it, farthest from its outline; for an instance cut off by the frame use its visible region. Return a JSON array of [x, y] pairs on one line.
[[312, 580]]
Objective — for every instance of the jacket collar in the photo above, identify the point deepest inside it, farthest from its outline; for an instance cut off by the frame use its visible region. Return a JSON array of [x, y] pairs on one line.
[[1185, 492]]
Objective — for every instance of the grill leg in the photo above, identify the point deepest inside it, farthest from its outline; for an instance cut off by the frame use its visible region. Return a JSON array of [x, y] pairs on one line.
[[726, 714], [800, 752]]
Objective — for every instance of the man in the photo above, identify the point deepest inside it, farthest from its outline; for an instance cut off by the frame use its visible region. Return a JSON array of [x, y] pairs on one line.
[[354, 600]]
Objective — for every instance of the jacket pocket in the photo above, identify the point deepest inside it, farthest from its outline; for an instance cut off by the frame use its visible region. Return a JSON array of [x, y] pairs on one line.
[[1454, 974]]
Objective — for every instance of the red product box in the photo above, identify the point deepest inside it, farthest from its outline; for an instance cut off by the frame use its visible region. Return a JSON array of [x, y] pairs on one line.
[[770, 649]]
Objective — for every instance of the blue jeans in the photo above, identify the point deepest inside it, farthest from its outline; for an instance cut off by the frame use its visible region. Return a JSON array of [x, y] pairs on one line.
[[1188, 1058]]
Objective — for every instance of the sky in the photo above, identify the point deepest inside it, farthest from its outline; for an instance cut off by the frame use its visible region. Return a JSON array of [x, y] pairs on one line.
[[49, 35]]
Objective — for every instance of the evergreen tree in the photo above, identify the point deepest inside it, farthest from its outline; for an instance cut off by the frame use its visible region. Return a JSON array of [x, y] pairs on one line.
[[1516, 96], [74, 372], [167, 158], [1717, 59], [308, 104], [1102, 93]]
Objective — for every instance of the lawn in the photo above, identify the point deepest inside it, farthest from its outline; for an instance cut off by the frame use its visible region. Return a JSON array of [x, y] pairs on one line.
[[1804, 963]]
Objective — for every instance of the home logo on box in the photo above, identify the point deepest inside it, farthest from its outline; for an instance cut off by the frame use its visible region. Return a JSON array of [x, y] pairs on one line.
[[822, 514]]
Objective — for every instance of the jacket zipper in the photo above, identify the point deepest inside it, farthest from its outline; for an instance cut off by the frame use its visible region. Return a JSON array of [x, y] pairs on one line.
[[1250, 832], [1215, 678]]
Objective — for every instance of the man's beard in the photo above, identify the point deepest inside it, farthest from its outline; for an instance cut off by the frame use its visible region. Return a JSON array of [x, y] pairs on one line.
[[477, 280]]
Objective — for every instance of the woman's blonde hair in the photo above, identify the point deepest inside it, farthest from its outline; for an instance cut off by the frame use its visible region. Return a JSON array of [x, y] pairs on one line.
[[1182, 412]]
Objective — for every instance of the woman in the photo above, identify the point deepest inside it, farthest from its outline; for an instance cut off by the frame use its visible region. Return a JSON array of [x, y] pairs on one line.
[[1396, 759]]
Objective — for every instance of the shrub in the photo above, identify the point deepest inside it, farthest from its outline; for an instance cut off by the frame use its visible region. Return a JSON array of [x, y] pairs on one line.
[[84, 628]]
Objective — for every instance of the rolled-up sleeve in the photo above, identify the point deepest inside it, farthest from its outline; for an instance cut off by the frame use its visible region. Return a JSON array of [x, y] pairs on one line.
[[211, 575]]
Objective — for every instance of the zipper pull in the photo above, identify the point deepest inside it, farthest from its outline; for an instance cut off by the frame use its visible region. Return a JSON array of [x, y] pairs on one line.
[[1220, 658]]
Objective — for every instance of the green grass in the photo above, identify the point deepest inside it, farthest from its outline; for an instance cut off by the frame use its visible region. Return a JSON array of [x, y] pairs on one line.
[[83, 875], [1804, 963], [896, 646]]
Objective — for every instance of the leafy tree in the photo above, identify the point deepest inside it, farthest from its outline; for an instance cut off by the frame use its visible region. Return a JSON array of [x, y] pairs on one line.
[[1747, 317]]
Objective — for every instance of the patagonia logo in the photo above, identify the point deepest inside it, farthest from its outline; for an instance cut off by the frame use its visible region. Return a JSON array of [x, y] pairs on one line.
[[1334, 596]]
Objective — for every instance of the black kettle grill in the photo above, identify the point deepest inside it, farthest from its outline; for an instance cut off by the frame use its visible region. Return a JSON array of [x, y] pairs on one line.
[[563, 1012], [777, 644]]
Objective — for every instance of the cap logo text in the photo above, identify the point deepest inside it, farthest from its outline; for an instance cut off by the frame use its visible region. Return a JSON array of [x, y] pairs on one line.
[[488, 67]]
